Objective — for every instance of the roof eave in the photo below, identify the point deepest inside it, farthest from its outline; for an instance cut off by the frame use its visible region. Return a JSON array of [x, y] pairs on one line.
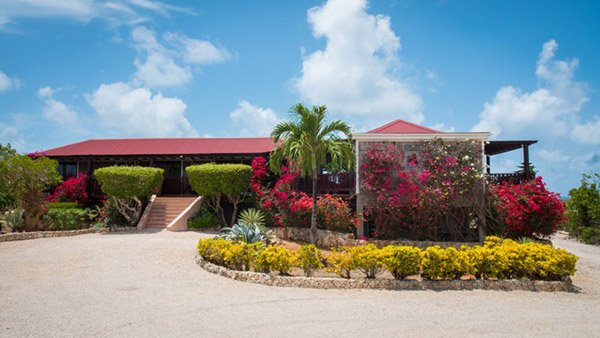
[[420, 136]]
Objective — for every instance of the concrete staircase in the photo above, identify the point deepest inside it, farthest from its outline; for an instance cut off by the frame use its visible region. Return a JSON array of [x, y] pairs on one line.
[[166, 209]]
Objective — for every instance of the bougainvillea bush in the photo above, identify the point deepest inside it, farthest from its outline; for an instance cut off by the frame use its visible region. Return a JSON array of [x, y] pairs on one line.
[[424, 190], [528, 209], [71, 190], [285, 206]]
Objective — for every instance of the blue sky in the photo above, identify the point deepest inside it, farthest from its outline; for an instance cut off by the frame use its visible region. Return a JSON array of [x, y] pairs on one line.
[[73, 70]]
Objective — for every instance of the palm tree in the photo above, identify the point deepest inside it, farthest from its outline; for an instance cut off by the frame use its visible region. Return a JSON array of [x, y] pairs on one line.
[[311, 144]]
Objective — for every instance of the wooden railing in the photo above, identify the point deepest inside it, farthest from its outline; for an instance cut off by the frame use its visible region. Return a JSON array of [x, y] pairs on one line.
[[335, 184], [513, 178]]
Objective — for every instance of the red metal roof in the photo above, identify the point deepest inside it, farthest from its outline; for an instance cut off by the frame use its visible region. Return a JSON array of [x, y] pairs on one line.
[[165, 146], [403, 127]]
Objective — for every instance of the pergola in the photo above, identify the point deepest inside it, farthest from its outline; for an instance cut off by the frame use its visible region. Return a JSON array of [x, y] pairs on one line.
[[499, 147]]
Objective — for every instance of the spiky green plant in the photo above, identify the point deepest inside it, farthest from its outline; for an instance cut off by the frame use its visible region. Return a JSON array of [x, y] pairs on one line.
[[241, 232], [253, 216]]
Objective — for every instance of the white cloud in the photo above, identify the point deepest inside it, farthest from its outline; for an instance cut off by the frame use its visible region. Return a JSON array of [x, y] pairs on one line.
[[159, 66], [155, 66], [442, 127], [551, 109], [253, 120], [7, 83], [553, 156], [56, 111], [197, 52], [138, 112], [587, 133], [83, 11], [356, 73]]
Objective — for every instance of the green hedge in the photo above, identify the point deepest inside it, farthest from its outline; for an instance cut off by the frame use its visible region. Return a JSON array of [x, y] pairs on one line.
[[213, 179], [128, 182]]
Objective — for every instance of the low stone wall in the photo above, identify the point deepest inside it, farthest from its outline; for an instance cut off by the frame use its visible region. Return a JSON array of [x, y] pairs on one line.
[[21, 236], [333, 239], [386, 284]]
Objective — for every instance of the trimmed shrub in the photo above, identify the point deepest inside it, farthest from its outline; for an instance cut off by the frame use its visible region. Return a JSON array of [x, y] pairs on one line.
[[213, 249], [402, 261], [340, 262], [65, 219], [309, 258], [215, 180], [368, 259], [61, 205], [274, 258], [240, 256], [128, 187], [448, 263], [129, 182]]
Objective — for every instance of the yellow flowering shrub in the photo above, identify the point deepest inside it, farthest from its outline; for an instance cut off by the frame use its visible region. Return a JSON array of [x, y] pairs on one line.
[[402, 261], [274, 258], [340, 262], [309, 258], [448, 263], [240, 255], [368, 259], [213, 249]]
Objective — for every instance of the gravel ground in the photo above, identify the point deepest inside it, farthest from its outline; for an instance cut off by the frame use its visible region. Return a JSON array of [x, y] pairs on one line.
[[147, 284]]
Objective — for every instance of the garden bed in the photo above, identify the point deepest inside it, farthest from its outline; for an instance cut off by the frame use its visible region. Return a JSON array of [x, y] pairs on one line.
[[385, 283]]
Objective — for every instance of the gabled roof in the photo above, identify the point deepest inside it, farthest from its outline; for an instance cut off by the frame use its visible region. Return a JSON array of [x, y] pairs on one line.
[[165, 146], [403, 127]]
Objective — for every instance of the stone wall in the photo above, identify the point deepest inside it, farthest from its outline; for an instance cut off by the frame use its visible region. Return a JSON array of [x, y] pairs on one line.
[[332, 239], [387, 284], [20, 236]]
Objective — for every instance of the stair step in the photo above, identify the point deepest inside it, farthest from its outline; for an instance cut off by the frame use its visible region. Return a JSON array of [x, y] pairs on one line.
[[166, 209]]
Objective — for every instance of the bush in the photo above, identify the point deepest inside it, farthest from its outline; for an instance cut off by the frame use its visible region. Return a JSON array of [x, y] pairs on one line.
[[13, 220], [368, 259], [128, 182], [340, 262], [215, 180], [65, 219], [448, 263], [128, 188], [274, 258], [61, 205], [204, 219], [309, 258], [583, 210], [213, 249], [529, 209], [72, 190], [240, 256], [402, 261]]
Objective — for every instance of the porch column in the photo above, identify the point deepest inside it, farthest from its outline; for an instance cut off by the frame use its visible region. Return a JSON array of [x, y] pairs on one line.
[[360, 229], [487, 164], [526, 161], [90, 175]]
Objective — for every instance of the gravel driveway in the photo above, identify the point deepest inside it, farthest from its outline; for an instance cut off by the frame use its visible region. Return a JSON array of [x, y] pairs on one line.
[[147, 284]]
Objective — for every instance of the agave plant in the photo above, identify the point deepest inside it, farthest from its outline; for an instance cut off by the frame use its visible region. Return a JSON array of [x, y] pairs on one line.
[[253, 216], [242, 232]]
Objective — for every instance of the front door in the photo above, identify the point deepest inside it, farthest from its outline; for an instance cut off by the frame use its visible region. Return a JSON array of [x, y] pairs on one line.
[[172, 183]]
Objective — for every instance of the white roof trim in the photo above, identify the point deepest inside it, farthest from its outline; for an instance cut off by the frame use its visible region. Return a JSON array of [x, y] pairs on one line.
[[419, 137]]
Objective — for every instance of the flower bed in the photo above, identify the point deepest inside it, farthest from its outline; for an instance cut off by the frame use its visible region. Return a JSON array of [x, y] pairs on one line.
[[499, 264]]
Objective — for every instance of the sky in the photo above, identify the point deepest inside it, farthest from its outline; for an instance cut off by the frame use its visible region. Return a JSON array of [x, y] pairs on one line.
[[74, 70]]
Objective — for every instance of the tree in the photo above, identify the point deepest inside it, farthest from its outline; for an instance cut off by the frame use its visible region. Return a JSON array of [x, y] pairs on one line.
[[6, 152], [128, 188], [311, 144], [25, 179]]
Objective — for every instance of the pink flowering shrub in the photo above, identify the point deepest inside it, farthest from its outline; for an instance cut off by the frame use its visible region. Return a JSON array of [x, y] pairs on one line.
[[424, 190], [288, 207], [529, 209], [71, 190]]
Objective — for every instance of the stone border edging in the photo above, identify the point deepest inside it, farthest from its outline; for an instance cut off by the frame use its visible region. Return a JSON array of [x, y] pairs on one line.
[[386, 284], [21, 236]]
